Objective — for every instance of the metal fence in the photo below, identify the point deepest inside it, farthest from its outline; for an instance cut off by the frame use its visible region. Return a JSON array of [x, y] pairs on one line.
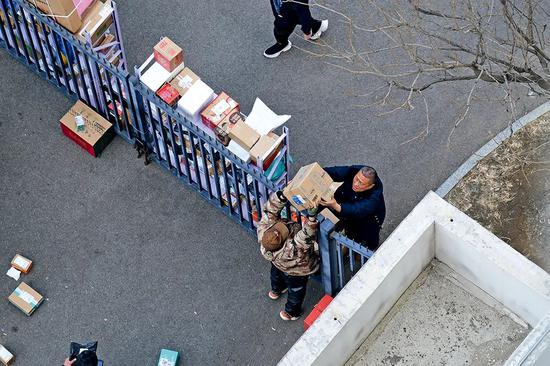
[[191, 154], [72, 66], [341, 257]]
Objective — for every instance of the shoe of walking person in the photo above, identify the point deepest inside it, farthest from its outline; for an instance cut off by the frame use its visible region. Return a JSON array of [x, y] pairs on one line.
[[275, 50], [276, 295], [322, 29]]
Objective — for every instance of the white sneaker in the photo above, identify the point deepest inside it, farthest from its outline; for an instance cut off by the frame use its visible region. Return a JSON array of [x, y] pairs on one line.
[[323, 28]]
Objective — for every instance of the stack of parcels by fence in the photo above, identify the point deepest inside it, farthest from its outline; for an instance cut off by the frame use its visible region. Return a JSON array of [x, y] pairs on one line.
[[26, 298], [310, 185], [96, 133], [6, 357]]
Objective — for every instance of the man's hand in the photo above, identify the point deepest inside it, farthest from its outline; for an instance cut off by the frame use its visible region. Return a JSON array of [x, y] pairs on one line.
[[69, 362], [307, 37], [332, 204]]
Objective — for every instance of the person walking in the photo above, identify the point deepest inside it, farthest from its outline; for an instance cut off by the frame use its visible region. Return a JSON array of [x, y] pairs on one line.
[[293, 252], [288, 14]]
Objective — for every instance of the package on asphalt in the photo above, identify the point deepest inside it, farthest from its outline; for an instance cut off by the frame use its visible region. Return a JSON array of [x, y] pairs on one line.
[[14, 273], [222, 129], [183, 81], [308, 187], [168, 358], [195, 100], [168, 54], [263, 146], [169, 94], [6, 357], [62, 11], [21, 263], [243, 134], [97, 19], [218, 109], [26, 298], [98, 132], [328, 214]]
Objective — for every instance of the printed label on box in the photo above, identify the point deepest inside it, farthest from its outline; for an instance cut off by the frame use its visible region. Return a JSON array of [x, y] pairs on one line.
[[186, 81], [220, 107], [299, 200]]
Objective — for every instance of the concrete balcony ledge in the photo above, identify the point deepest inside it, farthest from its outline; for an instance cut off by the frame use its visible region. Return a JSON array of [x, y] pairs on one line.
[[433, 230]]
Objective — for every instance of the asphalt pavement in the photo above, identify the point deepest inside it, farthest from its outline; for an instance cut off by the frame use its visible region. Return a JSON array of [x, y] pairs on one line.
[[128, 256]]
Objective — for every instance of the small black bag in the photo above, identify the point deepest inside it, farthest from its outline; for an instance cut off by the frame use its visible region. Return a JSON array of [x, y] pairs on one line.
[[85, 354]]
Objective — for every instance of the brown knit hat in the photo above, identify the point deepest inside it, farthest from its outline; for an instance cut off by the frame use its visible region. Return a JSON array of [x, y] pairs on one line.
[[274, 237]]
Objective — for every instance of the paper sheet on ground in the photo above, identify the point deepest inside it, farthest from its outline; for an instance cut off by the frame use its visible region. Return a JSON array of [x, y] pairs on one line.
[[263, 119], [14, 273]]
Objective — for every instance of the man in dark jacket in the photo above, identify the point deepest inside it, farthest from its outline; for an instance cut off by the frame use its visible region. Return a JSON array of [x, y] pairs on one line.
[[288, 14], [359, 203]]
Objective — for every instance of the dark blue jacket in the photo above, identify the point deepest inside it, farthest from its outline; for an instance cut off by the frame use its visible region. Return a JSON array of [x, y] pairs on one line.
[[363, 213]]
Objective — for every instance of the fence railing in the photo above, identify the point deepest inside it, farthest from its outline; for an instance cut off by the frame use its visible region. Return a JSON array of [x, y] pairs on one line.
[[341, 257], [190, 153], [72, 66]]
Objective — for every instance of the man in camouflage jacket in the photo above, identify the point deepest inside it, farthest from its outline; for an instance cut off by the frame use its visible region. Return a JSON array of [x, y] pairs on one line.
[[293, 253]]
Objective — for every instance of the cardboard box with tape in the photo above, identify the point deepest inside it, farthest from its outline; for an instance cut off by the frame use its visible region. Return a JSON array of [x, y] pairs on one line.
[[183, 81], [97, 19], [220, 108], [243, 135], [26, 298], [308, 187], [263, 147], [21, 263], [62, 11], [168, 54], [97, 134]]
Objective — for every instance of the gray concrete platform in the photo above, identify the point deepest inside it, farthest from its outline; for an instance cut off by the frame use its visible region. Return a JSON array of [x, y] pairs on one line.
[[438, 322]]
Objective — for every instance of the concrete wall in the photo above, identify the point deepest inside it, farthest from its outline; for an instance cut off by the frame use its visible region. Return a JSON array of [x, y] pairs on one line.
[[535, 348], [433, 229]]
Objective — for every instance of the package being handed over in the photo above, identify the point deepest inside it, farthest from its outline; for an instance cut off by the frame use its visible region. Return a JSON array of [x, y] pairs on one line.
[[309, 186]]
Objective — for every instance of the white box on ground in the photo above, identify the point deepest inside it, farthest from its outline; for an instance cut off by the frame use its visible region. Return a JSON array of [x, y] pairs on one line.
[[195, 100]]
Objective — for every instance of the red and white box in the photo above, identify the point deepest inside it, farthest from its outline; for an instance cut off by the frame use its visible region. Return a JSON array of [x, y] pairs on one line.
[[220, 108], [168, 54]]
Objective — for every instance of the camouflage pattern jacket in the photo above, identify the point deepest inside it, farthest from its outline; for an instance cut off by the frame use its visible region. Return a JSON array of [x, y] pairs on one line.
[[299, 255]]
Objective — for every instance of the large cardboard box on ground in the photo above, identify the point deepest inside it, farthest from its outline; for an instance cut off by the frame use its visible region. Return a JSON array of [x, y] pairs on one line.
[[168, 54], [220, 108], [26, 298], [97, 19], [308, 187], [62, 11], [98, 133]]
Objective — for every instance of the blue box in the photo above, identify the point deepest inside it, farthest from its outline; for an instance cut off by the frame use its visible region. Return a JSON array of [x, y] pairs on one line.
[[168, 358]]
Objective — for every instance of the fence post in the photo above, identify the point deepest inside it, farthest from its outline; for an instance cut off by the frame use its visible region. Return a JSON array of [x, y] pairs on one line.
[[329, 271]]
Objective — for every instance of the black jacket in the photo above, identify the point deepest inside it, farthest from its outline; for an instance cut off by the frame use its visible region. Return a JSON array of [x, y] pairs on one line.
[[363, 213]]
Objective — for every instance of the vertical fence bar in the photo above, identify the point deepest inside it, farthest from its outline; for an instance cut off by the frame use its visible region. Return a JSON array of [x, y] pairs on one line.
[[226, 185], [258, 201], [70, 69], [11, 35], [82, 77], [29, 37], [216, 175], [107, 75], [184, 152], [46, 36], [329, 264], [2, 30], [19, 33], [60, 58], [122, 106], [247, 199], [340, 265], [173, 143], [195, 160], [40, 45], [205, 167], [237, 191]]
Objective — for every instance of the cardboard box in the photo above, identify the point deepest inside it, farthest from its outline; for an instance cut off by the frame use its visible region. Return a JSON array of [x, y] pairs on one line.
[[262, 147], [311, 318], [97, 19], [98, 133], [168, 54], [222, 129], [63, 11], [195, 100], [330, 216], [25, 298], [183, 81], [168, 358], [169, 94], [220, 108], [21, 263], [6, 357], [308, 187], [244, 135]]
